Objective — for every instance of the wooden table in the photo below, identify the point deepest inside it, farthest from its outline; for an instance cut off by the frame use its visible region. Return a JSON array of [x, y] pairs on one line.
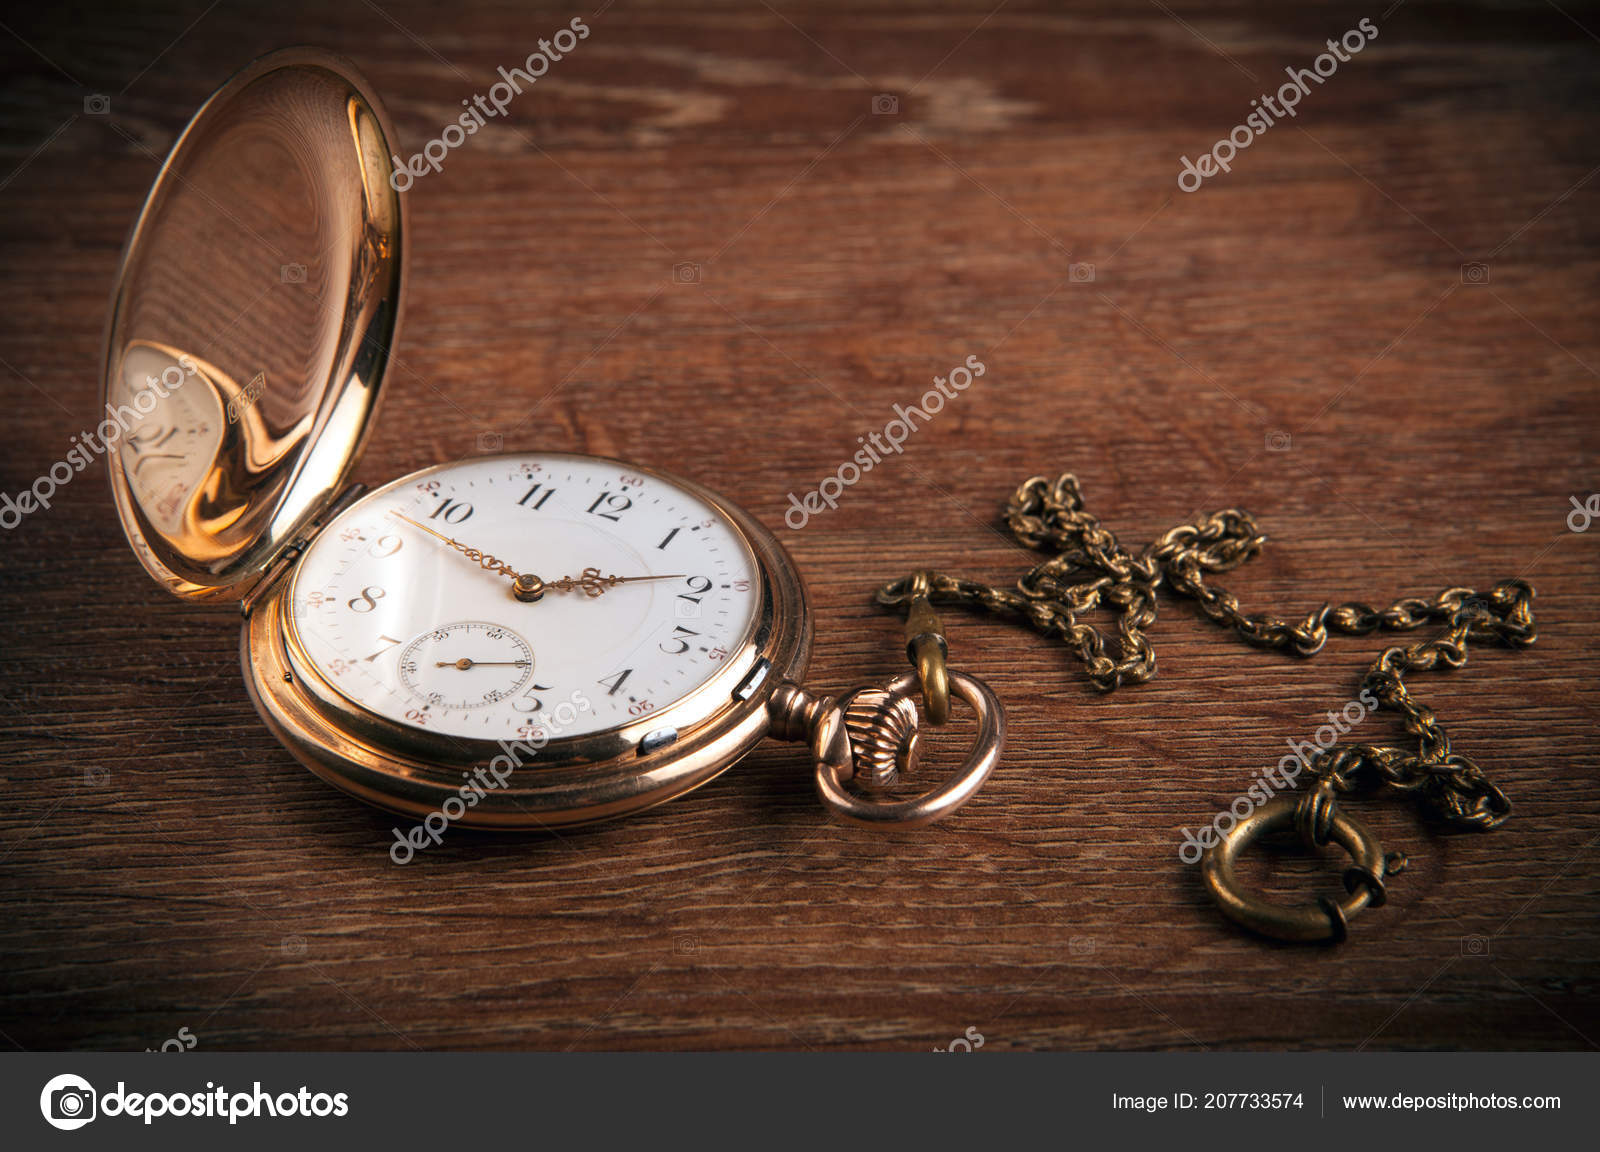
[[727, 239]]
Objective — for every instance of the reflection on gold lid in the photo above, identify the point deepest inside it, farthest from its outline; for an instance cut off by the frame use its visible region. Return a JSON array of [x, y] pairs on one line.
[[265, 272]]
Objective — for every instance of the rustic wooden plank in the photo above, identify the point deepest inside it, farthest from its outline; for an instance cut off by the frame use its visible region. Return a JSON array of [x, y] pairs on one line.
[[166, 864]]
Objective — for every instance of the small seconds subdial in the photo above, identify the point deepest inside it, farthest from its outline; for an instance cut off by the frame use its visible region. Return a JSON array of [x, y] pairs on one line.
[[468, 665]]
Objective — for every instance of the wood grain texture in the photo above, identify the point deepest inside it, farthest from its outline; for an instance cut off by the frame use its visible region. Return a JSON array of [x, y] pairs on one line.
[[165, 864]]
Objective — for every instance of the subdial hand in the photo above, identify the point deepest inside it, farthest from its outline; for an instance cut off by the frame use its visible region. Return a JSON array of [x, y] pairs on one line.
[[467, 662]]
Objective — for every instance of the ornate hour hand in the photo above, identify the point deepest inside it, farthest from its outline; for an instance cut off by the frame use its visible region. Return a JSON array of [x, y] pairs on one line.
[[591, 583]]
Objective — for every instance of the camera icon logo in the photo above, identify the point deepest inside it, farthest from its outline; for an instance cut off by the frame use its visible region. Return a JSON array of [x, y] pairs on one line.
[[1475, 946], [96, 105], [490, 442], [885, 104], [686, 273], [292, 273], [1081, 273], [1279, 442], [1474, 273], [68, 1102]]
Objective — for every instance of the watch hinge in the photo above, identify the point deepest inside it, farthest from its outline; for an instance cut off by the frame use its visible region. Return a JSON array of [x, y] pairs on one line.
[[296, 547]]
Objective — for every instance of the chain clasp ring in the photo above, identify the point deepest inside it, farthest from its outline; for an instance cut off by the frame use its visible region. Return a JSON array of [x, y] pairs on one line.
[[1328, 920]]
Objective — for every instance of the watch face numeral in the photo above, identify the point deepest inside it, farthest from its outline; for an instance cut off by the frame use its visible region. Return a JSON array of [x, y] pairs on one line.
[[678, 643], [528, 702], [406, 604], [384, 644], [140, 439], [614, 506], [139, 465], [368, 600], [451, 511], [698, 587], [536, 497]]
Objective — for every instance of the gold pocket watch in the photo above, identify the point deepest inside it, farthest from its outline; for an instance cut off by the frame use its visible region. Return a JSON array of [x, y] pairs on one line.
[[527, 639]]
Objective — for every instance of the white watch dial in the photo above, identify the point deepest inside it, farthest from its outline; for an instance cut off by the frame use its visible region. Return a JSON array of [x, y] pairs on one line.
[[408, 626]]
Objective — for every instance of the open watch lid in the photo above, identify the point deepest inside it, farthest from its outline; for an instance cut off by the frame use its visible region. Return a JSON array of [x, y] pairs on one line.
[[253, 314]]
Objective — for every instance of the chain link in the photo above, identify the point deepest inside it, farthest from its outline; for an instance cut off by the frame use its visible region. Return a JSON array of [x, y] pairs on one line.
[[1088, 569]]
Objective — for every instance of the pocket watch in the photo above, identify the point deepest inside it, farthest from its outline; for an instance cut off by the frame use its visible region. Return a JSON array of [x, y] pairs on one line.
[[520, 639]]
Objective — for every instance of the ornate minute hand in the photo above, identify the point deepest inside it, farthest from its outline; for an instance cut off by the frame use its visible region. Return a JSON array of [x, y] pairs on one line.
[[483, 560]]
